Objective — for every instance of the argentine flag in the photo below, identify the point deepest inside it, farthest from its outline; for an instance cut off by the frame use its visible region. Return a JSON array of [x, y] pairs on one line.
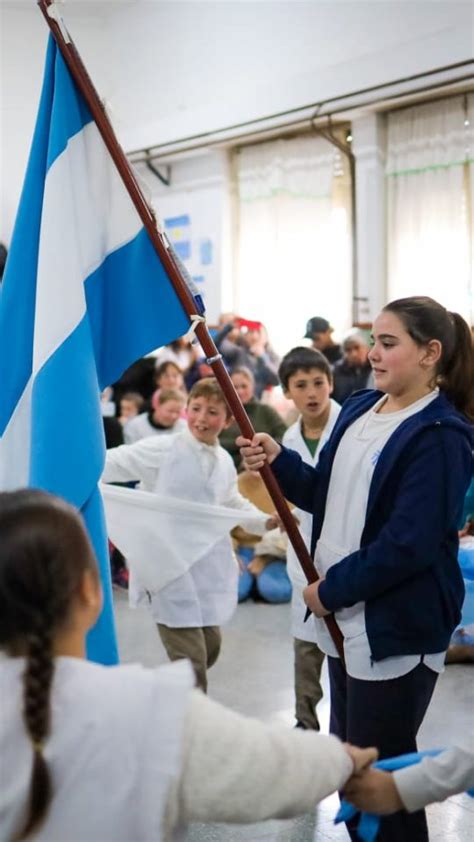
[[83, 296]]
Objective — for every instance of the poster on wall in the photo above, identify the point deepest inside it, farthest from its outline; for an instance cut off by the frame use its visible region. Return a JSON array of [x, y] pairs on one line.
[[196, 254]]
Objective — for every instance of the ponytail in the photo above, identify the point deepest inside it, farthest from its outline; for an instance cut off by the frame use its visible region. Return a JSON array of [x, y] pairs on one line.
[[424, 319], [457, 378]]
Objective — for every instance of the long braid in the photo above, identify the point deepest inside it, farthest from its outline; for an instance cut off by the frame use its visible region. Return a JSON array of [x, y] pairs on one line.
[[37, 681], [44, 553]]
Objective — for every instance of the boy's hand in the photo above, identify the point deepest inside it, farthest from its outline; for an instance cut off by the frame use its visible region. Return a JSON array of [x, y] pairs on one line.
[[312, 600], [275, 521], [262, 449], [362, 758], [373, 791]]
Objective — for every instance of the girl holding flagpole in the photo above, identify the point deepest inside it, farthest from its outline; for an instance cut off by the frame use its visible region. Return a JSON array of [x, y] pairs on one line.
[[386, 498]]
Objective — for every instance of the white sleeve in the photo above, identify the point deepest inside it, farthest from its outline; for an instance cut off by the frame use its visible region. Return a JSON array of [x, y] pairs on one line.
[[138, 461], [131, 431], [436, 778], [237, 769]]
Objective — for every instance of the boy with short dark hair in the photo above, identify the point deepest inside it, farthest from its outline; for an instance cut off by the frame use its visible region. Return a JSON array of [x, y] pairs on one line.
[[191, 465], [306, 377]]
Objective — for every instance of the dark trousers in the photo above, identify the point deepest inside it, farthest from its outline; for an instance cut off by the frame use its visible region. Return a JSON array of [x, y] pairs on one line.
[[385, 714]]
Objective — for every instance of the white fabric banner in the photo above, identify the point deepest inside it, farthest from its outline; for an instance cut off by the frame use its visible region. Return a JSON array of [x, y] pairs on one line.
[[162, 537]]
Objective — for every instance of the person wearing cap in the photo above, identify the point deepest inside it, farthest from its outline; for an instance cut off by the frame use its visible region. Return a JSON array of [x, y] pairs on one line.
[[320, 332]]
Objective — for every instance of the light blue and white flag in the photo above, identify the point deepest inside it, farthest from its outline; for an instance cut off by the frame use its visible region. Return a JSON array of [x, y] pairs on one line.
[[84, 295]]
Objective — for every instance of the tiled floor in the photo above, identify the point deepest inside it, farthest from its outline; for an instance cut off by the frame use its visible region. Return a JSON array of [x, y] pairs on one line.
[[254, 676]]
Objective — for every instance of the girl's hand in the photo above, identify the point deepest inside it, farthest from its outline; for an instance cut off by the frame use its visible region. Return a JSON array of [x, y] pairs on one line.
[[362, 758], [262, 449], [312, 600], [373, 791]]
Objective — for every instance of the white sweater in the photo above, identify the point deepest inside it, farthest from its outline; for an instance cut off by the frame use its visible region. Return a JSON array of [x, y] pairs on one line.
[[135, 754], [436, 778]]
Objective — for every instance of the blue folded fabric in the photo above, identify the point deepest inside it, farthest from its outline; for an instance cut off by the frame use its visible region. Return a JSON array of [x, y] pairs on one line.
[[368, 826]]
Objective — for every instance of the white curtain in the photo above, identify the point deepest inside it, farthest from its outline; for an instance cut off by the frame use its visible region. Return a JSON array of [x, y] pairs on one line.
[[294, 240], [430, 150]]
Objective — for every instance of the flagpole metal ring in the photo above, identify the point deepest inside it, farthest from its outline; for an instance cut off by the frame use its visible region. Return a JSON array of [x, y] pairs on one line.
[[213, 359]]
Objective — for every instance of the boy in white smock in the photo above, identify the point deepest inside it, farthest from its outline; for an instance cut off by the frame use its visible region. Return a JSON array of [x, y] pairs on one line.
[[193, 466], [306, 378]]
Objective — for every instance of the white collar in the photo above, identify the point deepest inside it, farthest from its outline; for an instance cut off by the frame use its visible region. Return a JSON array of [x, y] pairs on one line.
[[200, 446]]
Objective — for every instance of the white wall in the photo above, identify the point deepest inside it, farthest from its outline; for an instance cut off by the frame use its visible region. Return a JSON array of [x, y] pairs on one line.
[[204, 65], [199, 189], [172, 69]]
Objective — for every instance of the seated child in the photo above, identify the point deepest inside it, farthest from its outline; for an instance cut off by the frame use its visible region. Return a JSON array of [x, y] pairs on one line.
[[130, 405], [168, 375], [262, 559], [163, 418], [306, 378], [113, 754], [192, 466]]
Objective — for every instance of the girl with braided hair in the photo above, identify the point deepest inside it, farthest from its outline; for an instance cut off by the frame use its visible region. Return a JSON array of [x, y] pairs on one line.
[[113, 754], [386, 497]]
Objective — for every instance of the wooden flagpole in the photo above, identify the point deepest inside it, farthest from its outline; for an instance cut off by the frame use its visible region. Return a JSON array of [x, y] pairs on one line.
[[96, 107]]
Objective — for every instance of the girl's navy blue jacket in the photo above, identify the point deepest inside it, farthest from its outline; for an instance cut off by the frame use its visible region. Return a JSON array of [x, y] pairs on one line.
[[406, 570]]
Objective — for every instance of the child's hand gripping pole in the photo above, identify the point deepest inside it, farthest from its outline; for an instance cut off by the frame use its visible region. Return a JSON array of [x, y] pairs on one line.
[[214, 359]]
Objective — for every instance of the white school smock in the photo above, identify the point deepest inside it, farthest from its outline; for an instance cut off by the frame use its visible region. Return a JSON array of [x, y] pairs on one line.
[[293, 439], [140, 427], [181, 467], [115, 750], [135, 756], [344, 519]]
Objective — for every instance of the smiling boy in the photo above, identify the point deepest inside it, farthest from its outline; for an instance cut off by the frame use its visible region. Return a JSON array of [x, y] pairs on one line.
[[306, 377], [191, 465]]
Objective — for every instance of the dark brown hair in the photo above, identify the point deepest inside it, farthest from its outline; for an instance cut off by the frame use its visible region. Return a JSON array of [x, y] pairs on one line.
[[163, 368], [302, 358], [424, 319], [44, 551], [209, 388], [134, 397]]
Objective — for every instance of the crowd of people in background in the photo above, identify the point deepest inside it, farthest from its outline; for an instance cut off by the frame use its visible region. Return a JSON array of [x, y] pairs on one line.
[[150, 400], [253, 364], [356, 467]]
